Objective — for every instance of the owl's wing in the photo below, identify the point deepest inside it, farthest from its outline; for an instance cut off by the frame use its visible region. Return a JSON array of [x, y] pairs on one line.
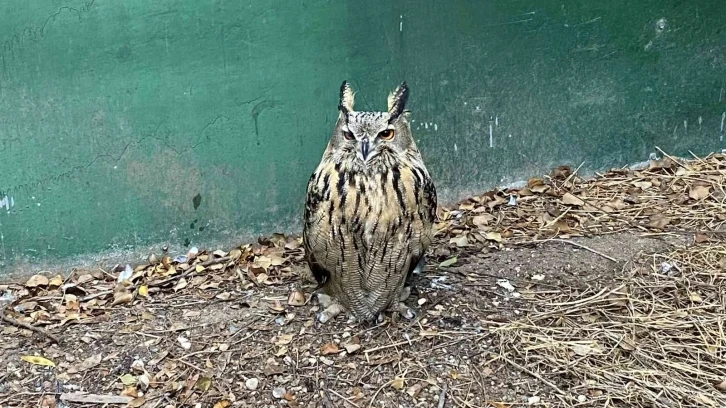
[[313, 228], [426, 213]]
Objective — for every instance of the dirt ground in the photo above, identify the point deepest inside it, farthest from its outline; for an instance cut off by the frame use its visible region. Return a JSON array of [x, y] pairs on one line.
[[216, 331]]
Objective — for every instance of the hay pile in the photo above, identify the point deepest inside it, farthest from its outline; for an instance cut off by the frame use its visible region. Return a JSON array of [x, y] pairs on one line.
[[656, 338]]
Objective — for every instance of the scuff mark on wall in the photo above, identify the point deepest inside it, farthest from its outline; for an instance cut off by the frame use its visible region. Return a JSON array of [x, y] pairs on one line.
[[7, 203]]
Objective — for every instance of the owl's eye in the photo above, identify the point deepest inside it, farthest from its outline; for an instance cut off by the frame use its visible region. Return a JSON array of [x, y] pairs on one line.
[[386, 134], [348, 135]]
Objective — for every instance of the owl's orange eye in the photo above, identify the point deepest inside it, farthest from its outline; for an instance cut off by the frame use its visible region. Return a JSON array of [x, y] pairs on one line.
[[386, 134], [348, 135]]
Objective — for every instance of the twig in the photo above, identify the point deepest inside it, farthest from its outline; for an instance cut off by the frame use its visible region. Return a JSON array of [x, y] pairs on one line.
[[442, 396], [373, 399], [343, 398], [532, 373], [567, 241], [38, 330], [400, 343], [326, 399], [95, 398]]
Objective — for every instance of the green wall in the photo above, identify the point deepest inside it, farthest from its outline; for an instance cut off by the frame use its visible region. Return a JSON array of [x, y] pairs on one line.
[[125, 124]]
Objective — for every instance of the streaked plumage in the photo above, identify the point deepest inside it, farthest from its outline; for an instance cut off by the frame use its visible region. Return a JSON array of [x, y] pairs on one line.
[[369, 210]]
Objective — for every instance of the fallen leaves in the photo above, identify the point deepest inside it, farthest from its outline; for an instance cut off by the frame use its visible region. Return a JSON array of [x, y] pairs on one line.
[[448, 262], [296, 298], [35, 360], [570, 199], [494, 236], [660, 198], [398, 383], [37, 280], [90, 362], [658, 221], [329, 348], [699, 192], [283, 339]]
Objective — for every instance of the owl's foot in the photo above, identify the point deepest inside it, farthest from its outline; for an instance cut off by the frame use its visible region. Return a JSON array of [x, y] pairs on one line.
[[405, 293], [331, 308], [405, 311]]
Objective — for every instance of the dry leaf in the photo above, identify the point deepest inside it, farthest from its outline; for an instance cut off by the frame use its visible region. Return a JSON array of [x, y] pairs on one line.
[[699, 192], [496, 202], [482, 220], [90, 362], [181, 284], [283, 339], [71, 302], [47, 401], [721, 386], [37, 280], [120, 298], [570, 199], [136, 402], [658, 221], [460, 241], [448, 262], [223, 296], [203, 384], [128, 379], [56, 281], [222, 404], [296, 298], [352, 348], [272, 368], [38, 361], [414, 390], [494, 236], [643, 185], [329, 348]]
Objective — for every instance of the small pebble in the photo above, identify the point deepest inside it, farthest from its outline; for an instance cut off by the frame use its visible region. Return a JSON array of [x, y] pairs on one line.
[[252, 384], [278, 392], [533, 400], [581, 398]]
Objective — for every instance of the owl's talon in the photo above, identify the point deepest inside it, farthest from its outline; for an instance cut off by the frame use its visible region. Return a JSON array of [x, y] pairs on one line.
[[403, 310]]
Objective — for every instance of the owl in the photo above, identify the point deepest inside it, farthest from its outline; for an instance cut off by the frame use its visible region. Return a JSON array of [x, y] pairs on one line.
[[369, 212]]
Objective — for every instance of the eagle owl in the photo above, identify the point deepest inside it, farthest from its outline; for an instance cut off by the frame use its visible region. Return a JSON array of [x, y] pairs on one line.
[[369, 211]]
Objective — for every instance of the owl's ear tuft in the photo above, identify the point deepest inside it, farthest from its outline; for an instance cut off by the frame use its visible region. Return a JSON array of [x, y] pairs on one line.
[[346, 98], [397, 101]]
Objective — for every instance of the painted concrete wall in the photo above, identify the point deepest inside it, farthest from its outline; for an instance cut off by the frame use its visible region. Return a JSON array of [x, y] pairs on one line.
[[125, 124]]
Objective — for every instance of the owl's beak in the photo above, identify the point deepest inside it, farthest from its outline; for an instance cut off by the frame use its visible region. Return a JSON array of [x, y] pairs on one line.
[[364, 148]]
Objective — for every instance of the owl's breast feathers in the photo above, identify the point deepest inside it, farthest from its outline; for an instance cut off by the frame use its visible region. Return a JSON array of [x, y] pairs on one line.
[[364, 232]]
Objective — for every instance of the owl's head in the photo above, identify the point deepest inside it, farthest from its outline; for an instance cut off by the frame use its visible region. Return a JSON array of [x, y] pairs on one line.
[[372, 136]]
